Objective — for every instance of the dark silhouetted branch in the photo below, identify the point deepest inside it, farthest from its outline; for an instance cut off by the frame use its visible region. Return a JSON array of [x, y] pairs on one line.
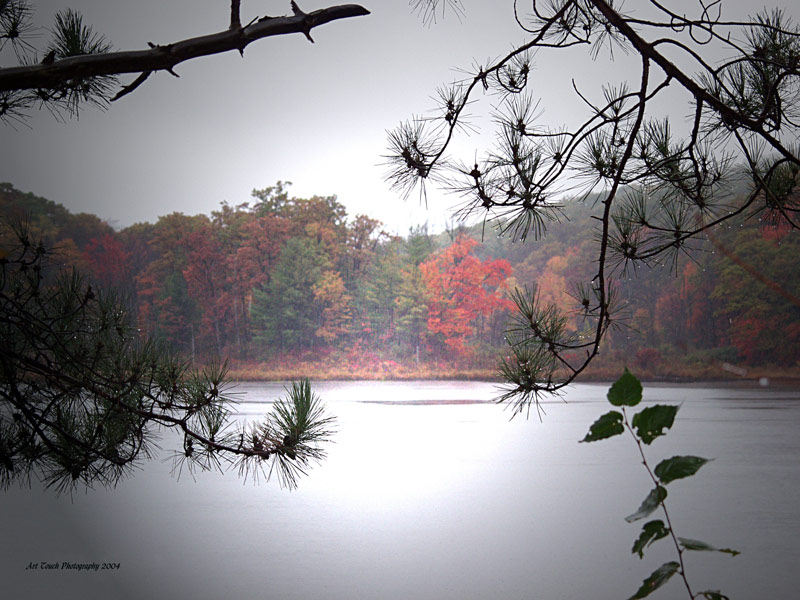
[[236, 22], [166, 57]]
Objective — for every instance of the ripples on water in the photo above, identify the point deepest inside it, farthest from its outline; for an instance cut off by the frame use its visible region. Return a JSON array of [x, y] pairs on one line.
[[431, 493]]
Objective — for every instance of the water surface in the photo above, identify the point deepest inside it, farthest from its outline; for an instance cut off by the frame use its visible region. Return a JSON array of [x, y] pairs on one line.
[[431, 493]]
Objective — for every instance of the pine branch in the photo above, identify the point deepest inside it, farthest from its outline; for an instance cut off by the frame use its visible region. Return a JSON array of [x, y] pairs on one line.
[[701, 95], [61, 72]]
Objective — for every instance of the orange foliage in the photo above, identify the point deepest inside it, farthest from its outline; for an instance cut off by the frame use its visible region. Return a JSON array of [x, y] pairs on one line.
[[331, 295], [462, 290]]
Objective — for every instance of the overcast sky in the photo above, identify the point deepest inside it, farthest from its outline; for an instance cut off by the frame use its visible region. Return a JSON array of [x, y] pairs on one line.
[[314, 114]]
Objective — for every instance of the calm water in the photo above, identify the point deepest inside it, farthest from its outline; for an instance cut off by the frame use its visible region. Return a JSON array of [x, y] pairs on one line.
[[438, 501]]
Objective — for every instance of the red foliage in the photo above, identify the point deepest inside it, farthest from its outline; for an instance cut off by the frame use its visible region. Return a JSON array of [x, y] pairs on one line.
[[647, 358], [107, 260], [262, 240], [744, 338], [463, 291]]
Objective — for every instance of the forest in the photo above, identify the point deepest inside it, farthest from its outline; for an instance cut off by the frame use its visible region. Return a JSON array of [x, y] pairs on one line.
[[286, 287]]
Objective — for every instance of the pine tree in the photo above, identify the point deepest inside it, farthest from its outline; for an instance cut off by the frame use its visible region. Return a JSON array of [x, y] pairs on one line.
[[654, 192], [83, 395], [284, 313]]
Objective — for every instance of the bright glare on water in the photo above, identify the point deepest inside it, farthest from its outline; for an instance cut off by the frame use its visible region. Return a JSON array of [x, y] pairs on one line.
[[429, 492]]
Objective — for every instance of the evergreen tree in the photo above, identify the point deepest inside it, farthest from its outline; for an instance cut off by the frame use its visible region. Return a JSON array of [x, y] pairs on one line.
[[83, 395], [284, 313]]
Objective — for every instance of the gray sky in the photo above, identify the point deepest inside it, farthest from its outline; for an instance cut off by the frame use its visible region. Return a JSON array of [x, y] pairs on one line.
[[314, 114]]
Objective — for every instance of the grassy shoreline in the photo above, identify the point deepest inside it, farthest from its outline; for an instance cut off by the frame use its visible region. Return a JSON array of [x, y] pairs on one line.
[[603, 372]]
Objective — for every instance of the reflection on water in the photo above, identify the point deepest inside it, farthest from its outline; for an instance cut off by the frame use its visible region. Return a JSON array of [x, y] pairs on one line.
[[431, 493]]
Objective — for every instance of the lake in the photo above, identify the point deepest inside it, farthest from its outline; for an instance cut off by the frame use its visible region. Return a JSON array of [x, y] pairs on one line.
[[443, 499]]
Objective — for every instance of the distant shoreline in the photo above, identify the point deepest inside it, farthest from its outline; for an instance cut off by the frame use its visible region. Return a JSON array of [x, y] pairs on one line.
[[392, 371]]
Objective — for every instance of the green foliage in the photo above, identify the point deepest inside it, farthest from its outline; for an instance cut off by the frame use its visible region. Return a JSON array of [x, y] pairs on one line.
[[295, 428], [646, 426], [653, 500], [72, 37], [377, 294], [626, 391], [656, 579], [283, 312], [678, 467], [651, 421], [697, 545], [609, 425], [757, 292], [419, 244], [713, 595], [651, 532], [533, 367]]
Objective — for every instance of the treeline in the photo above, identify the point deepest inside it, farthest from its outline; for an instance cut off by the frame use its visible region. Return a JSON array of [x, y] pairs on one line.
[[283, 278], [734, 298], [287, 277]]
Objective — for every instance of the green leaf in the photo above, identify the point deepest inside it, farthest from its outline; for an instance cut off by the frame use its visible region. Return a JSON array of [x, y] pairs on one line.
[[652, 531], [658, 578], [689, 544], [656, 495], [714, 595], [678, 467], [626, 391], [650, 422], [609, 425]]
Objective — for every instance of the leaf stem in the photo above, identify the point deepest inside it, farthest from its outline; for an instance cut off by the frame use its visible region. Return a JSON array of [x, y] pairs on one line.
[[678, 548]]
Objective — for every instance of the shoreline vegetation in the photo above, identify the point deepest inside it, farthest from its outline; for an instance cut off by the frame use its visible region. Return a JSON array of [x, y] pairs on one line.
[[389, 370], [289, 287]]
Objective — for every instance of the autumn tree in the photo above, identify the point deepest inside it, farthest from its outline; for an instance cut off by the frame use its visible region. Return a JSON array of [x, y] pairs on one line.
[[78, 65], [108, 261], [363, 238], [165, 309], [262, 240], [762, 313], [240, 248], [205, 276], [334, 305], [462, 292], [661, 185]]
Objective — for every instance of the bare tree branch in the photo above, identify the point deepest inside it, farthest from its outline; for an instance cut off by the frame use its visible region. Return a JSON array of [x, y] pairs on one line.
[[166, 57]]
